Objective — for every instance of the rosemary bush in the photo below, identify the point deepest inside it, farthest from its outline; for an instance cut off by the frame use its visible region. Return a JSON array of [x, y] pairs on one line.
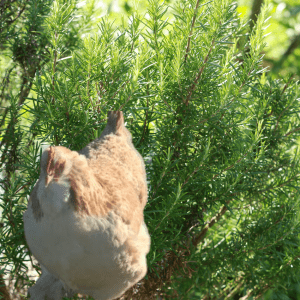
[[219, 137]]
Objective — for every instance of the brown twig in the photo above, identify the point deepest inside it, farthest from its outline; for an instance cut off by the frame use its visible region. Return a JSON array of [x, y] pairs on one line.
[[199, 237], [193, 86], [191, 31]]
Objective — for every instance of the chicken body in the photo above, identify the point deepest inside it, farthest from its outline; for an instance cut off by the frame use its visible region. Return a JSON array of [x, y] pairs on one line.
[[84, 221]]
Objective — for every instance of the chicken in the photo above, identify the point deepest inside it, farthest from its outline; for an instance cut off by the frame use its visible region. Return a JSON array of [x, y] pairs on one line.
[[84, 222]]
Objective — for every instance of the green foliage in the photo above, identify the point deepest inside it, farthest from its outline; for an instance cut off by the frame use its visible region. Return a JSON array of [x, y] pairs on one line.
[[282, 40], [221, 139]]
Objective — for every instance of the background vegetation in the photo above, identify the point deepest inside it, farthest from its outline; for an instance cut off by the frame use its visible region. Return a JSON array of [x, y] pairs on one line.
[[219, 133]]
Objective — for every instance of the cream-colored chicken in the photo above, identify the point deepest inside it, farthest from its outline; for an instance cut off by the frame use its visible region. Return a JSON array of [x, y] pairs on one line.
[[84, 221]]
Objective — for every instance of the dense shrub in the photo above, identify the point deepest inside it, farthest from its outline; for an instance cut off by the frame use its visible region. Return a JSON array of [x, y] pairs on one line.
[[219, 137]]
